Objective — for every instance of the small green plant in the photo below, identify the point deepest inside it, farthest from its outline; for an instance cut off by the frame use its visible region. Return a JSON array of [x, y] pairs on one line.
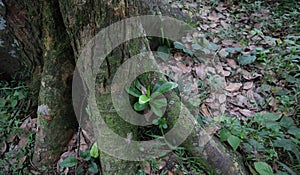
[[13, 109], [86, 162], [150, 101], [264, 137]]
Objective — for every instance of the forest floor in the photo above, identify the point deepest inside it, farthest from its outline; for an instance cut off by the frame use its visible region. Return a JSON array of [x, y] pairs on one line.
[[248, 89]]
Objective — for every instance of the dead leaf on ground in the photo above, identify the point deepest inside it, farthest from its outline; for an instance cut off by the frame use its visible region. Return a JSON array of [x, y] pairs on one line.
[[200, 71], [224, 24], [248, 85], [274, 103], [183, 67], [213, 25], [222, 98], [226, 73], [246, 112], [228, 42], [212, 17], [232, 87], [250, 76], [231, 63], [177, 56], [204, 110], [241, 100], [146, 167]]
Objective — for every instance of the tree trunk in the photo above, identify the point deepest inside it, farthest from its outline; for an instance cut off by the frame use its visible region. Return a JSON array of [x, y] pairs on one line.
[[56, 119], [67, 27]]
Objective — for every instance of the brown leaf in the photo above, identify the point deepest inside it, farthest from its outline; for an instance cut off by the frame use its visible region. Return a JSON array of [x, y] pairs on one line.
[[177, 56], [224, 24], [222, 98], [246, 112], [232, 87], [248, 85], [200, 71], [231, 63], [250, 76], [226, 73], [213, 18], [204, 27], [183, 67], [22, 160], [227, 42], [213, 25], [241, 100], [274, 103], [204, 110], [146, 167], [170, 173]]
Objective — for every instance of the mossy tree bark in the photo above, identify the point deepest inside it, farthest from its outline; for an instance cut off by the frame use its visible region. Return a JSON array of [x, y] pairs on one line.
[[56, 119]]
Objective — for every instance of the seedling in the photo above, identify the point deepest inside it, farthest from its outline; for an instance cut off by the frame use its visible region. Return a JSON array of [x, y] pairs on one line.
[[148, 100]]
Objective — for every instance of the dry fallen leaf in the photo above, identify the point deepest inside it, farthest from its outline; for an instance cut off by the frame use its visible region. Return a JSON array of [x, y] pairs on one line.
[[177, 56], [200, 71], [226, 73], [204, 110], [146, 167], [232, 87], [222, 98], [248, 85], [231, 63], [246, 112], [183, 67], [228, 42]]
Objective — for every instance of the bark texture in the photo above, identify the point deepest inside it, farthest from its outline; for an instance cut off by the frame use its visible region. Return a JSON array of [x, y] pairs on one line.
[[56, 119]]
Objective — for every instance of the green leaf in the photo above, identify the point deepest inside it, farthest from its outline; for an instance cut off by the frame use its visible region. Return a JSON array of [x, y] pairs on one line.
[[2, 102], [148, 91], [143, 99], [287, 168], [275, 126], [178, 45], [157, 85], [224, 134], [157, 110], [166, 87], [162, 102], [213, 46], [19, 94], [223, 53], [132, 91], [155, 122], [138, 84], [196, 46], [234, 141], [14, 103], [139, 107], [263, 168], [232, 49], [294, 131], [69, 162], [165, 126], [85, 155], [188, 51], [94, 150], [246, 59], [163, 52], [287, 122], [93, 168]]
